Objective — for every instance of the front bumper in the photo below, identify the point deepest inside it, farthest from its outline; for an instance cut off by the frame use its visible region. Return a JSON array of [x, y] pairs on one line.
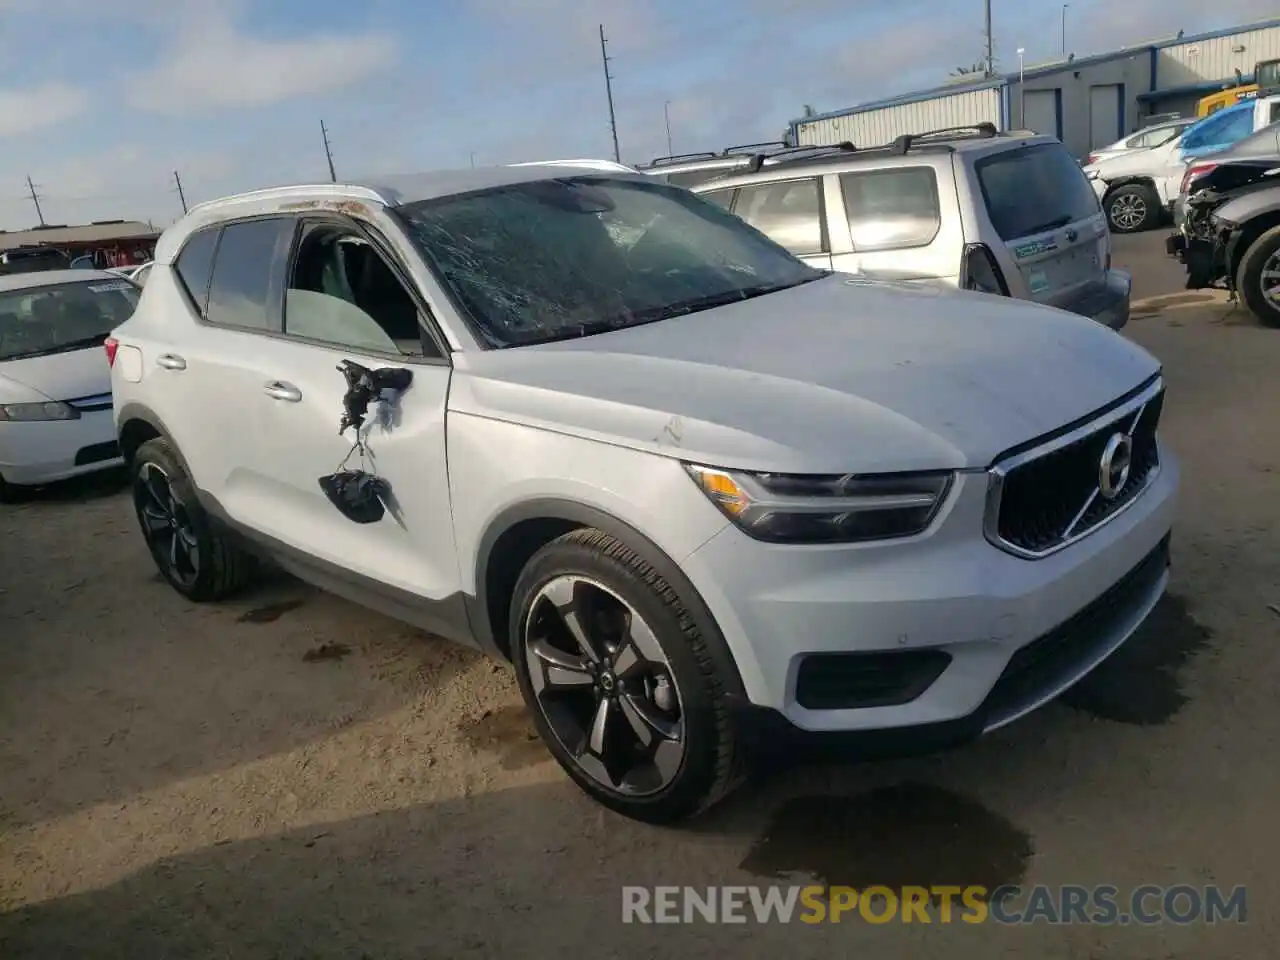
[[1205, 260], [948, 591], [45, 451]]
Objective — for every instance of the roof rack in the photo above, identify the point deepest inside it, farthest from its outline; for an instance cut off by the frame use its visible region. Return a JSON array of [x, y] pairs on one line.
[[984, 131], [682, 157], [791, 153], [754, 148]]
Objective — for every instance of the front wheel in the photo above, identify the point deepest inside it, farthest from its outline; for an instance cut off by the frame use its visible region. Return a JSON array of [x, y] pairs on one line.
[[1258, 279], [1132, 208], [196, 559], [621, 684]]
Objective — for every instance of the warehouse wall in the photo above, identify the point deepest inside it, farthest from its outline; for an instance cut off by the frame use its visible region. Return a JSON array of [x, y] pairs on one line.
[[1083, 128], [881, 125], [1203, 61]]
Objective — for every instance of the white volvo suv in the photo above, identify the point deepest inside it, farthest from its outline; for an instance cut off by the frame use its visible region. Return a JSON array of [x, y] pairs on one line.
[[684, 482]]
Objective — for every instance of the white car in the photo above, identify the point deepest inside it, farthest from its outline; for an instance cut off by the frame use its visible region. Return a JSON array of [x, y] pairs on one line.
[[1155, 135], [690, 486], [55, 384]]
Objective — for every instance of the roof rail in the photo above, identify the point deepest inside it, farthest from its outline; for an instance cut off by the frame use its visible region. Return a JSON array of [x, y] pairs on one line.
[[754, 148], [682, 157], [790, 153], [984, 130]]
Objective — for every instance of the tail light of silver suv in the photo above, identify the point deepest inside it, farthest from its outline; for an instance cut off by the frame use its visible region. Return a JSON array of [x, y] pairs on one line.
[[980, 271]]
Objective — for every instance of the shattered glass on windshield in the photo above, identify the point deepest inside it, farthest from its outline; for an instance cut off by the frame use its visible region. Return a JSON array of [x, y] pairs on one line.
[[553, 259]]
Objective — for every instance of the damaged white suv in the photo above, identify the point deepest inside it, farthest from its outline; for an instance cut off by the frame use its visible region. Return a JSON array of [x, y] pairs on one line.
[[683, 481]]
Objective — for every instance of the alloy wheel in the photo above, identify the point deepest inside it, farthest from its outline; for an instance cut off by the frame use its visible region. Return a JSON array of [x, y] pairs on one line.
[[1128, 211], [1269, 280], [166, 525], [604, 686]]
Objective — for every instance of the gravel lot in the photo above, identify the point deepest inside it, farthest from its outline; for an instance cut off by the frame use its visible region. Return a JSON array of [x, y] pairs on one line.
[[290, 776]]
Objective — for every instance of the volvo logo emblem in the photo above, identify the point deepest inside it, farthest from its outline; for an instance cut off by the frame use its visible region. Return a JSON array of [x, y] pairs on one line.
[[1072, 236], [1113, 469]]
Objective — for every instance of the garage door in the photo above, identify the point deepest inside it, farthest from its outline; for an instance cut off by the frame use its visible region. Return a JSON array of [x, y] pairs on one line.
[[1105, 119], [1041, 112]]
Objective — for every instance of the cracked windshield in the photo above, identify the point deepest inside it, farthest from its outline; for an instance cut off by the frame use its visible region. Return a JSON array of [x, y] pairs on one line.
[[653, 478]]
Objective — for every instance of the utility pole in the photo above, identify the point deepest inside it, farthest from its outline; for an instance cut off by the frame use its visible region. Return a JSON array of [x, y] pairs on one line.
[[1064, 29], [991, 56], [35, 198], [666, 115], [182, 197], [608, 89], [473, 159], [328, 152]]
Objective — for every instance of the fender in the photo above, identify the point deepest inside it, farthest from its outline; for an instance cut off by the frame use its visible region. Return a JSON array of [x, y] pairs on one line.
[[134, 412], [575, 515], [1126, 179]]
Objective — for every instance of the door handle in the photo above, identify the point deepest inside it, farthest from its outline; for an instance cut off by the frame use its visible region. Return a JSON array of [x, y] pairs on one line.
[[279, 390], [171, 361]]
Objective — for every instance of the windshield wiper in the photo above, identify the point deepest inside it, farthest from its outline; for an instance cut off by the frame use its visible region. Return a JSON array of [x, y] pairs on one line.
[[81, 343], [712, 300]]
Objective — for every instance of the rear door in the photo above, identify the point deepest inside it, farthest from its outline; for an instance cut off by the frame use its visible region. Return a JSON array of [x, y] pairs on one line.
[[789, 212], [1042, 222], [897, 222]]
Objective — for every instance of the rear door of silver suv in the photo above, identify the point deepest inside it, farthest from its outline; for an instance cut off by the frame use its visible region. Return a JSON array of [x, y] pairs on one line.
[[897, 220], [1034, 209]]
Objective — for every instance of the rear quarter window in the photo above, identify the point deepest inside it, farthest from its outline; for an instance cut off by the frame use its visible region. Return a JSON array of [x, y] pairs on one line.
[[892, 209], [1034, 189], [195, 265]]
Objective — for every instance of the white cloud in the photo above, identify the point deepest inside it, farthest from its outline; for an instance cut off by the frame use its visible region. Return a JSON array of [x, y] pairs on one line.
[[215, 66], [25, 111]]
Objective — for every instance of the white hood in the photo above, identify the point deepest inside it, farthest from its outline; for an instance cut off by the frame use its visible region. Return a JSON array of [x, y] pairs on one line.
[[58, 376], [831, 376]]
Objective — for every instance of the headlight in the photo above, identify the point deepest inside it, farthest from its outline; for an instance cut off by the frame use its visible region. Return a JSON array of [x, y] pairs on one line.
[[1091, 174], [26, 412], [790, 508]]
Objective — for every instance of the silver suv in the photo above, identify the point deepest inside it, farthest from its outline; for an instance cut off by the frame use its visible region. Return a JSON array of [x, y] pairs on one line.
[[1003, 213]]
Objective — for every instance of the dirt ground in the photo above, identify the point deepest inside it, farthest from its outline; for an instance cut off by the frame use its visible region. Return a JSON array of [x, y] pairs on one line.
[[288, 776]]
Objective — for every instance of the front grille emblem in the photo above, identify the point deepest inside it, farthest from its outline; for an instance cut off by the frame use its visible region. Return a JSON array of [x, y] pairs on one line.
[[1113, 468]]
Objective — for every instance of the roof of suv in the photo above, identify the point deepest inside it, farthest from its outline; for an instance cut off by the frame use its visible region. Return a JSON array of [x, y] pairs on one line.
[[48, 278], [392, 191], [903, 151]]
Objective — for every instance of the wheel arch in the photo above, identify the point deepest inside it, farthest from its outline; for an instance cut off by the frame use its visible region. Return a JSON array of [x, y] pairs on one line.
[[138, 423], [1250, 232], [521, 530], [1130, 180]]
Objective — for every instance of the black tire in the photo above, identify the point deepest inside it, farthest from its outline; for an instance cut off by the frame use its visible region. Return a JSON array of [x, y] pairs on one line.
[[710, 765], [221, 568], [1132, 208], [1249, 277], [11, 493]]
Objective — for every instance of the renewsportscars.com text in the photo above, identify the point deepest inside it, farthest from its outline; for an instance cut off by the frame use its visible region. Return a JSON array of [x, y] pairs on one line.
[[1012, 905]]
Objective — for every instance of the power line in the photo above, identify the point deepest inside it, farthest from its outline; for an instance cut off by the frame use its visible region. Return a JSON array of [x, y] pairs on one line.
[[182, 197], [35, 198], [328, 152], [608, 89]]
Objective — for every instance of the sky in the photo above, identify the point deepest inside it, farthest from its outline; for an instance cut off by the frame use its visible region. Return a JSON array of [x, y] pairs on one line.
[[101, 103]]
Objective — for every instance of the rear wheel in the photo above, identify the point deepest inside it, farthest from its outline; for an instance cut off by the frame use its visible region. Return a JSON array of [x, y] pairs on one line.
[[1132, 208], [621, 684], [196, 559], [1258, 279]]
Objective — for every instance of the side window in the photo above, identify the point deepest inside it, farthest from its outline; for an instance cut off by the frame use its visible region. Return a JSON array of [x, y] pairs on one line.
[[1141, 140], [342, 292], [892, 209], [721, 198], [788, 213], [1274, 115], [248, 253], [195, 265]]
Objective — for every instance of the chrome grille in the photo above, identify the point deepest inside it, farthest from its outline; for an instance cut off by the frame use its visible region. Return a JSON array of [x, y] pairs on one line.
[[1050, 496]]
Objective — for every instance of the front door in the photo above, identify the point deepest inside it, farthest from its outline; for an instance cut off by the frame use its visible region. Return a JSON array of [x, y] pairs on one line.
[[343, 300]]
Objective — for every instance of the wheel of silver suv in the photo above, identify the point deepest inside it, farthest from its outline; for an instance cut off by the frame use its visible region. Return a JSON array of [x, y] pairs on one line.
[[620, 684]]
